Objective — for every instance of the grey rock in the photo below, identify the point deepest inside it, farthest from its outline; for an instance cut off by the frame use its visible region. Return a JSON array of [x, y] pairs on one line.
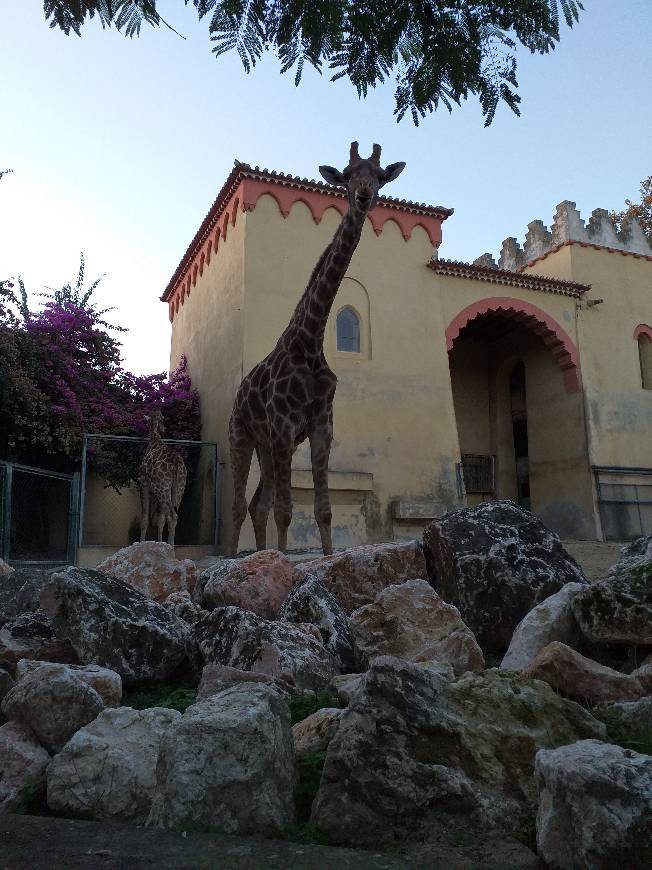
[[32, 636], [109, 623], [19, 592], [7, 682], [108, 769], [228, 763], [595, 807], [552, 620], [106, 683], [618, 610], [311, 602], [495, 562], [346, 685], [54, 703], [183, 607], [628, 722], [241, 639], [215, 678], [23, 762], [415, 752]]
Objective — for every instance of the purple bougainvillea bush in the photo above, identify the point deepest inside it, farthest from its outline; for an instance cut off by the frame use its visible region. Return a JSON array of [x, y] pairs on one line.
[[61, 376]]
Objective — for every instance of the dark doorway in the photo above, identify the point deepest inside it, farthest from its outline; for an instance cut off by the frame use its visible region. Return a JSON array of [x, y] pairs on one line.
[[519, 429]]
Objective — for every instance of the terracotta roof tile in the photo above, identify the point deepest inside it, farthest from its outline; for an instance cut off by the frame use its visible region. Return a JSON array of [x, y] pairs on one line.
[[505, 276]]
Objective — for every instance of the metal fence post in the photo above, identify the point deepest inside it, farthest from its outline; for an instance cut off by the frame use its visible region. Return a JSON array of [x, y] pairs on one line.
[[82, 492], [73, 519], [6, 514]]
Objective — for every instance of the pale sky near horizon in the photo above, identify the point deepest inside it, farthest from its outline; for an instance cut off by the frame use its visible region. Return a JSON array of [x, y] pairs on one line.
[[119, 146]]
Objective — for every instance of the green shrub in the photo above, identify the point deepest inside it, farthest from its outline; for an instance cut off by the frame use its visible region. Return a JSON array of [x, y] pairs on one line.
[[302, 706], [162, 696]]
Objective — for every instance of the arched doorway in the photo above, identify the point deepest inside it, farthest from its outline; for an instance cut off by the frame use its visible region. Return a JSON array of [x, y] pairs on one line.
[[518, 408]]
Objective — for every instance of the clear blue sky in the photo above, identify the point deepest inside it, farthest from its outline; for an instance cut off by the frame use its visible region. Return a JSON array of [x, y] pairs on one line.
[[119, 146]]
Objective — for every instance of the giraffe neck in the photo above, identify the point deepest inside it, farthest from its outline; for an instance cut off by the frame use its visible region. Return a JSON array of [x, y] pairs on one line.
[[308, 322]]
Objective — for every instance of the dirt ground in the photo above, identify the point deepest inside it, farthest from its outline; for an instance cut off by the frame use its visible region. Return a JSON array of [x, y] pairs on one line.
[[595, 557], [45, 843]]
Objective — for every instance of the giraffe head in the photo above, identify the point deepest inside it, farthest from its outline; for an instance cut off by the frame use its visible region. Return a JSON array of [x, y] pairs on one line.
[[362, 178]]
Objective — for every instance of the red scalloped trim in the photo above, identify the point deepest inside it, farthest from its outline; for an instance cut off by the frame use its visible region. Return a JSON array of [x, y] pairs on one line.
[[554, 336]]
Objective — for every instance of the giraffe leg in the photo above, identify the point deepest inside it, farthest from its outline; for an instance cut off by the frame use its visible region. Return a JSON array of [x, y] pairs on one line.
[[282, 464], [241, 452], [172, 525], [160, 523], [320, 445], [263, 499], [144, 512]]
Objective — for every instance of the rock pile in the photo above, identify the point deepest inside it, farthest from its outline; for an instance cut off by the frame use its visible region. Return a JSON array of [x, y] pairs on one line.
[[351, 691]]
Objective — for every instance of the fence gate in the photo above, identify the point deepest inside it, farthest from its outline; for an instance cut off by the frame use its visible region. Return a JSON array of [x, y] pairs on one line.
[[39, 512]]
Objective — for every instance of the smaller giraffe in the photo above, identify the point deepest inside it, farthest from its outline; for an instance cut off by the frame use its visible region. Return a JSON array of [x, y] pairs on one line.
[[162, 481]]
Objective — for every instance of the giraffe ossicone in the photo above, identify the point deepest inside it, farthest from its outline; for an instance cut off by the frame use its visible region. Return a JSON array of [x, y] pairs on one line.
[[288, 397], [161, 481]]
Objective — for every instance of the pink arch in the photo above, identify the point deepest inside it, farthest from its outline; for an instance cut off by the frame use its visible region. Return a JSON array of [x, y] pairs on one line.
[[643, 329], [554, 336]]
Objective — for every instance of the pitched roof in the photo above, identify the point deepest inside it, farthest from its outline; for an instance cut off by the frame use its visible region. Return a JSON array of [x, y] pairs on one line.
[[244, 170], [505, 276]]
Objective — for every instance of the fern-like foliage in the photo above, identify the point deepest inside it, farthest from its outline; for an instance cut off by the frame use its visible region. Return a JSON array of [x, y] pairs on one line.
[[437, 51]]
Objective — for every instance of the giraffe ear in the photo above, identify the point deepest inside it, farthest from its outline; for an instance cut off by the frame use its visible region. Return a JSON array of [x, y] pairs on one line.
[[332, 175], [391, 172]]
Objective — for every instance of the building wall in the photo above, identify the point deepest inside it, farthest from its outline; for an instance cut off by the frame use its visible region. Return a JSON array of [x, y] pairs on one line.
[[401, 415], [209, 329], [393, 415]]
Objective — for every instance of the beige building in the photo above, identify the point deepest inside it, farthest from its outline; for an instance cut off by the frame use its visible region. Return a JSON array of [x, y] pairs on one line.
[[530, 378]]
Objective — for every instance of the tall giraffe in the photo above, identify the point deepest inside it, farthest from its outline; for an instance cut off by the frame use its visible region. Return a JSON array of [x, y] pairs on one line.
[[162, 481], [288, 397]]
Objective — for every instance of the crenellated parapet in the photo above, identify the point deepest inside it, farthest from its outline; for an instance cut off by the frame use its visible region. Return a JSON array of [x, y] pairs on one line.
[[568, 227]]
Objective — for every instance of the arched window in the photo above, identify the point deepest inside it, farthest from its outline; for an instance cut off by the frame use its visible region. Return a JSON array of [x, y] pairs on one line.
[[645, 359], [348, 331]]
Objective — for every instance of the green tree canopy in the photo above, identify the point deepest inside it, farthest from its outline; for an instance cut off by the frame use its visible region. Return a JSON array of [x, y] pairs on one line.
[[437, 51]]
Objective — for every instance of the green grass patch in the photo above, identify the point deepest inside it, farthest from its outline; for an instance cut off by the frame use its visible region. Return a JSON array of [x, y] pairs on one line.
[[302, 706], [309, 768], [162, 696]]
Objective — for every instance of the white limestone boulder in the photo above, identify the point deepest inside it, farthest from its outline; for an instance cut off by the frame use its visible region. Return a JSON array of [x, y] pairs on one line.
[[107, 770], [311, 602], [259, 582], [552, 620], [5, 569], [7, 682], [106, 683], [356, 576], [151, 567], [54, 702], [416, 753], [495, 562], [19, 592], [595, 807], [23, 762], [241, 639], [346, 685], [628, 722], [110, 623], [228, 763], [412, 622]]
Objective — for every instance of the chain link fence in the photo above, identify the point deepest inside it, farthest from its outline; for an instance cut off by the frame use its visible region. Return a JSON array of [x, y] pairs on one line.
[[110, 498]]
